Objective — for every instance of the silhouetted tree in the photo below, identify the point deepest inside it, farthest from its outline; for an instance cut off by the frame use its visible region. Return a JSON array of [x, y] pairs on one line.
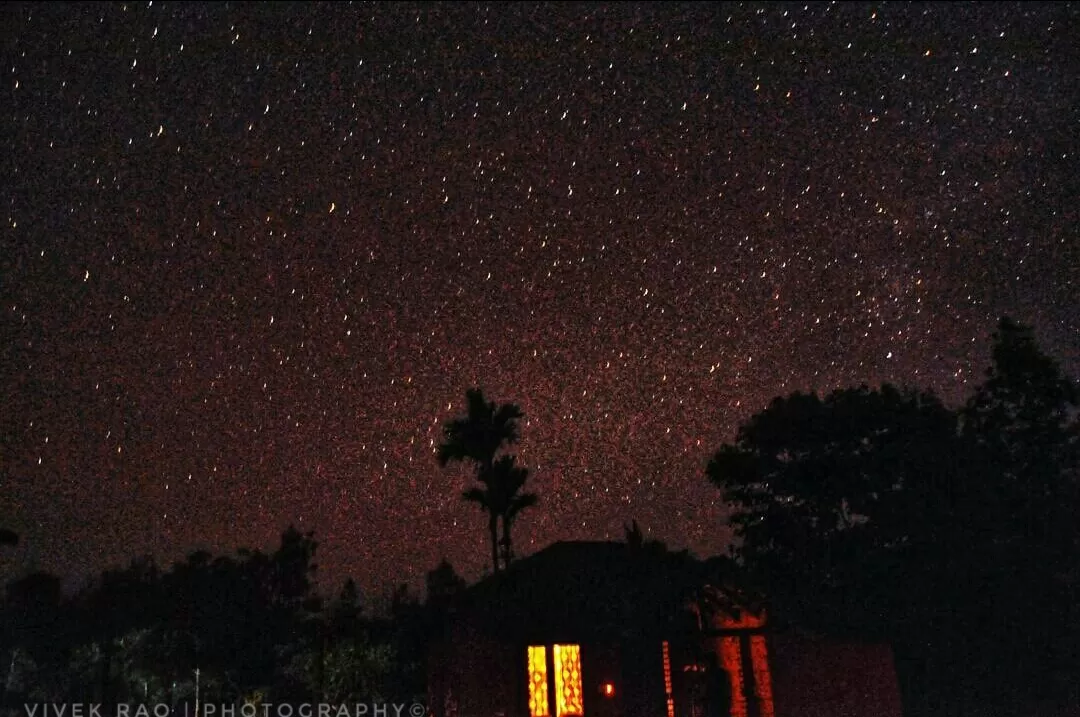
[[477, 438], [122, 601], [240, 619], [443, 585], [403, 603], [329, 631], [1022, 432], [501, 498], [345, 662], [37, 631], [408, 634], [1022, 422], [689, 593], [347, 610], [829, 494]]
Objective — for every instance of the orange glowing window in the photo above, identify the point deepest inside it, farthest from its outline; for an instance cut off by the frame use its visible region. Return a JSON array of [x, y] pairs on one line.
[[730, 657], [746, 620], [759, 658], [538, 682], [667, 679], [568, 680], [607, 690]]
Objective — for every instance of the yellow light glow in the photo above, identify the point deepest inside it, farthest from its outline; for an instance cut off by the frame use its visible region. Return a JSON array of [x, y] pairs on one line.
[[667, 680], [568, 681], [538, 681], [759, 658], [730, 656]]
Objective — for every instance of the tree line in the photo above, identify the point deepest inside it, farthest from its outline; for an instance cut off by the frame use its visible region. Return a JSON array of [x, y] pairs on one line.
[[869, 513], [246, 628]]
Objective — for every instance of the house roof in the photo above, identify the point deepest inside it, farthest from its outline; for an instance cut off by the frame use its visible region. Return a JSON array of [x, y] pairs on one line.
[[584, 590]]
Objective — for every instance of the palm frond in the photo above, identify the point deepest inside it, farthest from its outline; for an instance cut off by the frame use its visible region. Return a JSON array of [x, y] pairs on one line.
[[451, 450], [478, 496], [520, 503]]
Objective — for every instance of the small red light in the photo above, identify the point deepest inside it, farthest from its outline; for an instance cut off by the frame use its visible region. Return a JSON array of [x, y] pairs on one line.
[[607, 689]]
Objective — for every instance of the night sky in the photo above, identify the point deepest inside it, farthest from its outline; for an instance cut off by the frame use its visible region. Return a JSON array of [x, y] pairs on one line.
[[254, 254]]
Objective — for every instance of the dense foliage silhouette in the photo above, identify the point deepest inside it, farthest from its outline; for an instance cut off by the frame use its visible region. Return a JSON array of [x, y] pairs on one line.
[[246, 627], [952, 534]]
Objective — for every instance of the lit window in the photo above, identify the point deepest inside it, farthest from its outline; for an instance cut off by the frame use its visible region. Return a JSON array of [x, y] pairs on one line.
[[538, 682], [730, 656], [568, 680], [568, 691], [759, 658], [745, 621]]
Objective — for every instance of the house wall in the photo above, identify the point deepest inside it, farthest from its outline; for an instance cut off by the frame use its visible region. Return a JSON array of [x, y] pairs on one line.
[[472, 675], [600, 664], [636, 668]]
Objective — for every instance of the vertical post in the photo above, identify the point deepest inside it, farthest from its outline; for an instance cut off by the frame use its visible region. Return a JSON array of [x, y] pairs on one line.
[[196, 692], [750, 686], [553, 695]]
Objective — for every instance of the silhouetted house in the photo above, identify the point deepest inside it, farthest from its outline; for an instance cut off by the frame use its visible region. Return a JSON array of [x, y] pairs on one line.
[[603, 629]]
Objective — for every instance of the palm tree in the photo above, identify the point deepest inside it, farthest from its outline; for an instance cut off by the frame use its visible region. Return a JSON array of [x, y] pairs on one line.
[[482, 432], [481, 498], [478, 437], [506, 499], [517, 504], [502, 500]]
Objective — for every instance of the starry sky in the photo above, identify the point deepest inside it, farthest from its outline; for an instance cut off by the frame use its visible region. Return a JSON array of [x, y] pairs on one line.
[[254, 254]]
